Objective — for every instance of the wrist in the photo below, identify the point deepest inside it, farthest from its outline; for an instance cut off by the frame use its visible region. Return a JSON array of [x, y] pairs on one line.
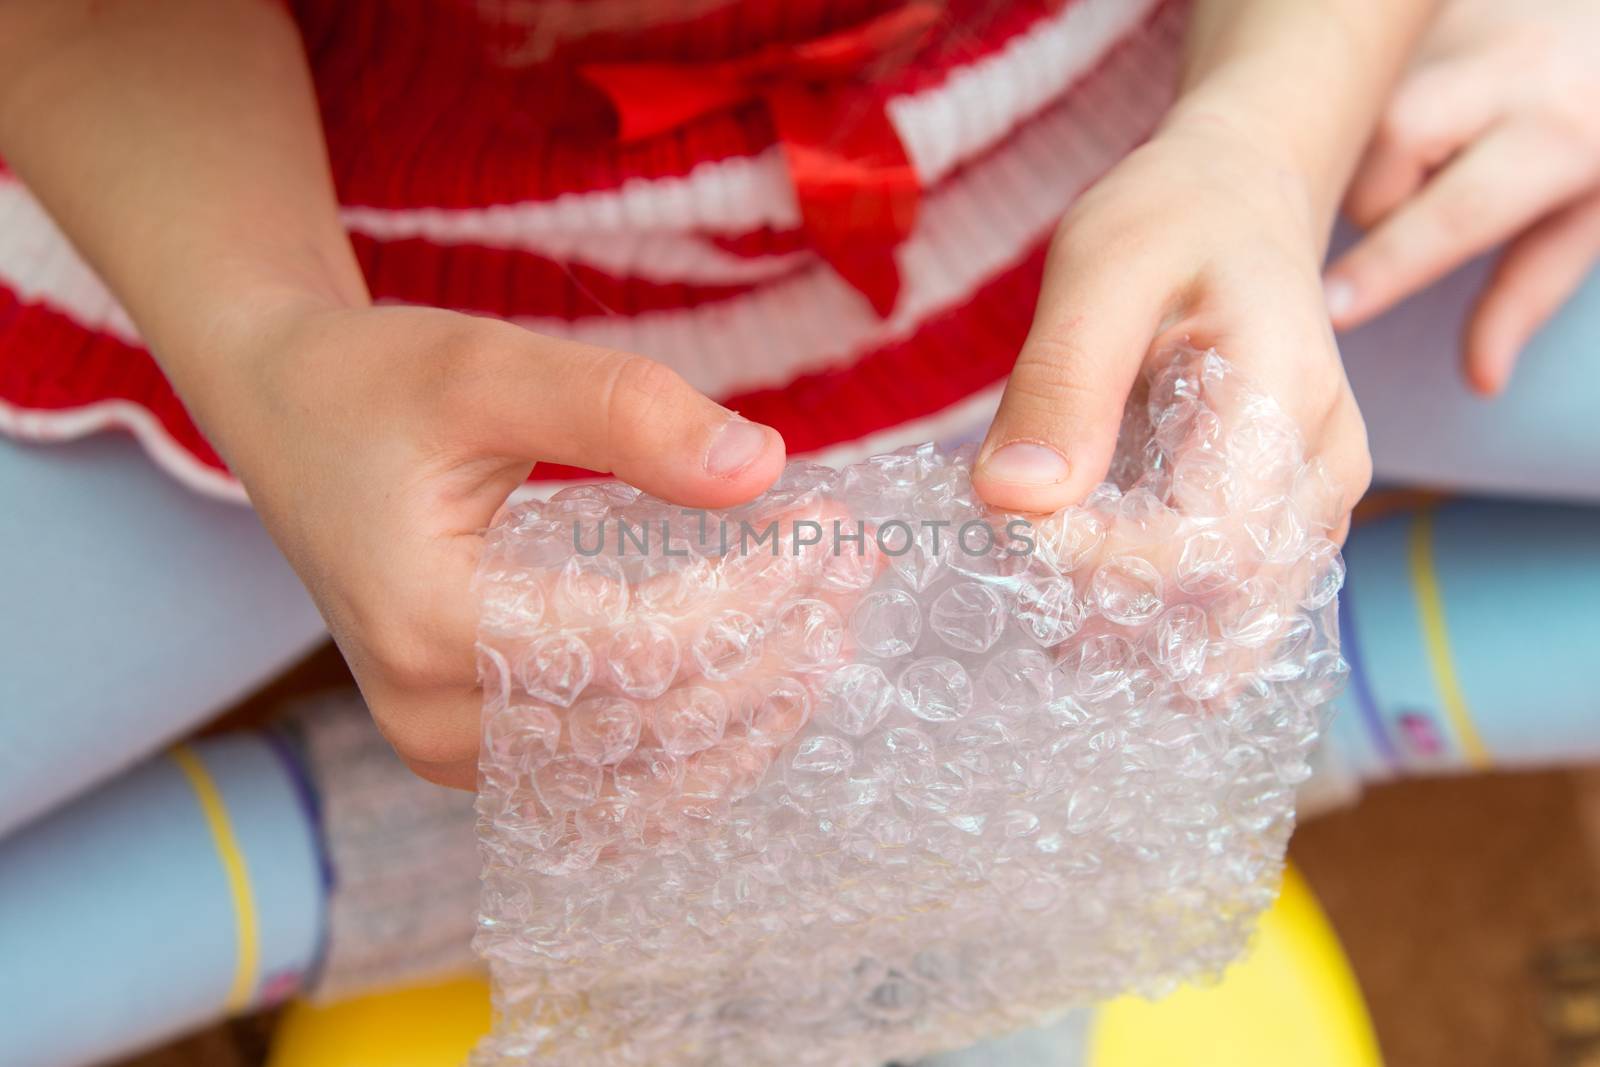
[[1298, 84], [1269, 166], [227, 364]]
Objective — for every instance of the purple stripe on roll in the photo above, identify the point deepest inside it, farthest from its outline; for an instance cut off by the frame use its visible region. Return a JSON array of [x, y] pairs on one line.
[[1360, 686]]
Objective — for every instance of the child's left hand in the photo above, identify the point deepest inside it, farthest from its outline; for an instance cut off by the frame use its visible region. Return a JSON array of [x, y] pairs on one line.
[[1203, 235], [1213, 231], [1492, 136]]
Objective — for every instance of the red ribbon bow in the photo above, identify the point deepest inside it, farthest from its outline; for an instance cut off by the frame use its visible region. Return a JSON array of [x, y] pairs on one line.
[[857, 189]]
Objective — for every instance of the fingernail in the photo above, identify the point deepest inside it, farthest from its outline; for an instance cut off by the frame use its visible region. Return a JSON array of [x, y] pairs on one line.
[[735, 447], [1025, 463], [1340, 296]]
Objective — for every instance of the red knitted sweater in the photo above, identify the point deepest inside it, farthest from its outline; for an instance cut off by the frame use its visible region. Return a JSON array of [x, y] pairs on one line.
[[829, 215]]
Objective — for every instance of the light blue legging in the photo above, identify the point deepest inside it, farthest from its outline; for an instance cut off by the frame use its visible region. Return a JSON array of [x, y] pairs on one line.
[[1541, 439], [131, 610]]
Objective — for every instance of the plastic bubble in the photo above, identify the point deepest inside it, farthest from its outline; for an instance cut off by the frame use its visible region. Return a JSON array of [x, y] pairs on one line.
[[894, 786], [887, 623]]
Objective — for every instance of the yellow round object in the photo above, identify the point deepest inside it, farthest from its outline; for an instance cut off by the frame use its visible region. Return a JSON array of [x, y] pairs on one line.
[[1291, 1001], [423, 1026]]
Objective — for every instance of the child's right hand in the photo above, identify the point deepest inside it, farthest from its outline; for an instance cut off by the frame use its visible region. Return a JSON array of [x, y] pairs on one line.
[[377, 444], [374, 443]]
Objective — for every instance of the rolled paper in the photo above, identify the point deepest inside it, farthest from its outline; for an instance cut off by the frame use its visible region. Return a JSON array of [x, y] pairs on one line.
[[1469, 625], [188, 889]]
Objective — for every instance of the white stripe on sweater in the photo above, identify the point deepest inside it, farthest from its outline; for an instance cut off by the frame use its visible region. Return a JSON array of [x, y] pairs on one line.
[[971, 111], [39, 265], [977, 225], [122, 414], [644, 229]]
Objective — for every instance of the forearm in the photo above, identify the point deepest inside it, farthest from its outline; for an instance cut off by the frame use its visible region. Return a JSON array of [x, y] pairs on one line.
[[178, 145], [1306, 77]]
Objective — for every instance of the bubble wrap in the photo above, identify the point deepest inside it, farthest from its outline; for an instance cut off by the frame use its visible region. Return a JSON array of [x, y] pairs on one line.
[[863, 770]]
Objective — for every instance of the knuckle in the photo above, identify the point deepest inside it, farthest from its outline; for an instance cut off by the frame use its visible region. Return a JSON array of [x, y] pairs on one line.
[[1052, 371], [1102, 237], [1413, 123], [1326, 383], [1449, 216], [1356, 469], [1077, 231], [402, 656], [422, 736], [1348, 455], [1401, 128], [1365, 202], [448, 777], [463, 361], [1575, 125], [1355, 479], [635, 387], [1053, 351], [423, 746], [1385, 254], [1361, 475], [459, 347], [1360, 208]]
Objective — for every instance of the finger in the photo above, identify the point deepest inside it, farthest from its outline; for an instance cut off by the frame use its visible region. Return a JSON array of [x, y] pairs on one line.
[[1488, 193], [1536, 275], [435, 731], [1347, 459], [1316, 421], [1053, 436], [611, 412], [414, 660], [1342, 534], [462, 774], [429, 709], [1435, 111]]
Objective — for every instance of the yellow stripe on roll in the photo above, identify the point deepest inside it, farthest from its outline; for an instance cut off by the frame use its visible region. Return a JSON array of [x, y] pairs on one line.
[[237, 874], [1436, 636]]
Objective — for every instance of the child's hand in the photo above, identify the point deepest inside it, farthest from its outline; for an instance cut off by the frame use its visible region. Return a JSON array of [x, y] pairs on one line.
[[1198, 234], [1494, 135], [378, 444]]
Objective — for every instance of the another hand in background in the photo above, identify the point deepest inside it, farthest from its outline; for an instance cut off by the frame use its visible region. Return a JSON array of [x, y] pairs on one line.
[[1492, 136]]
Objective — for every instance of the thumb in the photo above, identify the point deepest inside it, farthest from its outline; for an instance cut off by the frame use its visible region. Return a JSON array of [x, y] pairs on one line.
[[1054, 434], [612, 412]]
